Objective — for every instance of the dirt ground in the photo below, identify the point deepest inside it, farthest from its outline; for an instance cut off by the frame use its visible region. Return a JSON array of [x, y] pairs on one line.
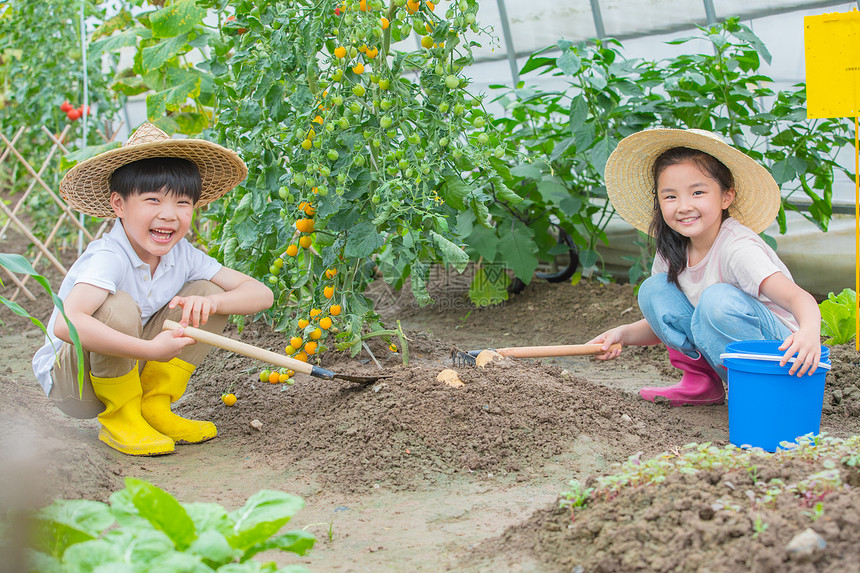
[[409, 474]]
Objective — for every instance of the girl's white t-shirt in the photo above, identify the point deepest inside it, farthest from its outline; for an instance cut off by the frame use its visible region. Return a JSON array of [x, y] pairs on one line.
[[738, 257]]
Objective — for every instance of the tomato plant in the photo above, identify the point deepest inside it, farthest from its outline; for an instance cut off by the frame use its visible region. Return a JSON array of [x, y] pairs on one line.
[[355, 141]]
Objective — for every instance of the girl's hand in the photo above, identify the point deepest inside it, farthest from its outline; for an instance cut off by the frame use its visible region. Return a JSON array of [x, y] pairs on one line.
[[806, 346], [194, 308], [606, 340], [168, 344]]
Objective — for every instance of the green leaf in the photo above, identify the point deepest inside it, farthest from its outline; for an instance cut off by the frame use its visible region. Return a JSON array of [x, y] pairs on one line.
[[212, 546], [519, 250], [162, 511], [454, 191], [527, 171], [95, 555], [179, 17], [262, 516], [451, 253], [503, 192], [484, 241], [65, 523], [171, 99], [600, 153], [552, 191], [489, 289], [362, 240], [154, 57], [124, 39], [569, 63], [298, 542]]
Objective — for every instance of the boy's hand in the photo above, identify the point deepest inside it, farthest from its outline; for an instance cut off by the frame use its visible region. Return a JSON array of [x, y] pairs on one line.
[[168, 344], [195, 309], [807, 346]]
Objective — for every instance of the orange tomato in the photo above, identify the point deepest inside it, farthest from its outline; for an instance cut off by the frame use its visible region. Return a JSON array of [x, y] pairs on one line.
[[334, 310], [303, 322], [315, 334], [325, 323], [311, 348], [305, 241], [274, 377], [328, 292]]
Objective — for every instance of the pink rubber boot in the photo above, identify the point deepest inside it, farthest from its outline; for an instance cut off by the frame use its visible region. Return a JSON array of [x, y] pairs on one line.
[[700, 385]]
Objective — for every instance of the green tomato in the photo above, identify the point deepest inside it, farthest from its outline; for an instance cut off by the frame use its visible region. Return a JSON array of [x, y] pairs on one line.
[[459, 109], [355, 107], [444, 107], [282, 192], [325, 171], [385, 104], [337, 100], [332, 155], [376, 199], [463, 5], [299, 178], [413, 138], [400, 3], [358, 161], [384, 83], [374, 78], [483, 139], [391, 133], [290, 382], [274, 270], [329, 127], [470, 18], [367, 134], [343, 123], [499, 152], [273, 280], [377, 142], [318, 143], [359, 90], [403, 164], [341, 177], [322, 190], [279, 262], [443, 142], [337, 75], [479, 122], [419, 153], [385, 122], [353, 52], [439, 69], [452, 82]]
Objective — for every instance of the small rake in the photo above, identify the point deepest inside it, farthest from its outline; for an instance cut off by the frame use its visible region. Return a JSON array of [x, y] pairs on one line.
[[471, 357]]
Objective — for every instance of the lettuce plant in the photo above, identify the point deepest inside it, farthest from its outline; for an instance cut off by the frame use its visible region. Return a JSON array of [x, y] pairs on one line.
[[839, 317], [144, 528]]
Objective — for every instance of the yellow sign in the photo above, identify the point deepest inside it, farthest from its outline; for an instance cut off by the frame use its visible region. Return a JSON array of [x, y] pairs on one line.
[[832, 64], [832, 44]]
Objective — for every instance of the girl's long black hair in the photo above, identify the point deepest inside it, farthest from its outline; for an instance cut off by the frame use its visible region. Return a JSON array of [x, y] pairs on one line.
[[671, 244]]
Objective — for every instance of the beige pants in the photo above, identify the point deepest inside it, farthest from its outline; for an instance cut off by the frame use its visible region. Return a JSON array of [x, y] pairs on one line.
[[121, 313]]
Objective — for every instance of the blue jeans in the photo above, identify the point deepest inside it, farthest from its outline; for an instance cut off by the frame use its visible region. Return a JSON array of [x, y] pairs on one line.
[[724, 314]]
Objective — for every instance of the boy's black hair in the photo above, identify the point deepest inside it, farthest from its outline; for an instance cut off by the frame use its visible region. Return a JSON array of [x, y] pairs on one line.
[[670, 243], [178, 176]]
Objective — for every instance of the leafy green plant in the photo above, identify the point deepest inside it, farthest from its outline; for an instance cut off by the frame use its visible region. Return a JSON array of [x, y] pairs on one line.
[[144, 528], [567, 136], [18, 264], [839, 317], [577, 496]]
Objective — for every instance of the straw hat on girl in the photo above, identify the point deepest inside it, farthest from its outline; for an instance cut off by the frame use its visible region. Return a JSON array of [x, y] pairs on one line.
[[630, 182], [86, 186]]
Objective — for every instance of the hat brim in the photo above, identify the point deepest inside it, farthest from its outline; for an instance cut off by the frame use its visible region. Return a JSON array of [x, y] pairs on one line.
[[86, 186], [630, 184]]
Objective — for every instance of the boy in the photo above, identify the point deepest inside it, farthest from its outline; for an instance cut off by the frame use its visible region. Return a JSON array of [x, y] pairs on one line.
[[123, 287]]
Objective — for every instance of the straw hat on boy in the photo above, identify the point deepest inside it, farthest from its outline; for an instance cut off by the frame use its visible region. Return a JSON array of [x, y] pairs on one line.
[[630, 183], [86, 186]]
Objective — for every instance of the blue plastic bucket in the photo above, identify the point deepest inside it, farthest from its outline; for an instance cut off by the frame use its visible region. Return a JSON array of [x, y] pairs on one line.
[[767, 405]]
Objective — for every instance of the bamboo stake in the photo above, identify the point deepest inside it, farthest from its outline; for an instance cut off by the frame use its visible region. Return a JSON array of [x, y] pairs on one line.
[[33, 239], [63, 205]]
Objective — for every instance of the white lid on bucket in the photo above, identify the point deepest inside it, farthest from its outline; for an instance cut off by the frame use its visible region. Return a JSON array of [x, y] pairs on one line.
[[767, 357]]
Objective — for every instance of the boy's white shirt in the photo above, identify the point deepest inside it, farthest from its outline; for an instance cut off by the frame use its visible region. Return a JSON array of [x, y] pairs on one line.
[[738, 257], [110, 263]]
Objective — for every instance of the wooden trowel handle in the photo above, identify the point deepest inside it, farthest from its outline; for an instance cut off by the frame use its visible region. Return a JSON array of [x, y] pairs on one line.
[[242, 348], [549, 351]]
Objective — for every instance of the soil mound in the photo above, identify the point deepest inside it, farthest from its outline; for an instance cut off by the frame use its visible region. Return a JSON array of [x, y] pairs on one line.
[[713, 520], [409, 430]]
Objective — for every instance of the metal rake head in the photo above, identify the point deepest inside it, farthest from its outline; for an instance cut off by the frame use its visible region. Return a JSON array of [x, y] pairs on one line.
[[463, 357]]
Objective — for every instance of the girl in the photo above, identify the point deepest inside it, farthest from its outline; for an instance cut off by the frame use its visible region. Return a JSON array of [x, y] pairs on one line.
[[714, 280]]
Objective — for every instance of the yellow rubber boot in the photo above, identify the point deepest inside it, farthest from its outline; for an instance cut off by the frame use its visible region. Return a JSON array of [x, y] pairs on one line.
[[164, 383], [123, 427]]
